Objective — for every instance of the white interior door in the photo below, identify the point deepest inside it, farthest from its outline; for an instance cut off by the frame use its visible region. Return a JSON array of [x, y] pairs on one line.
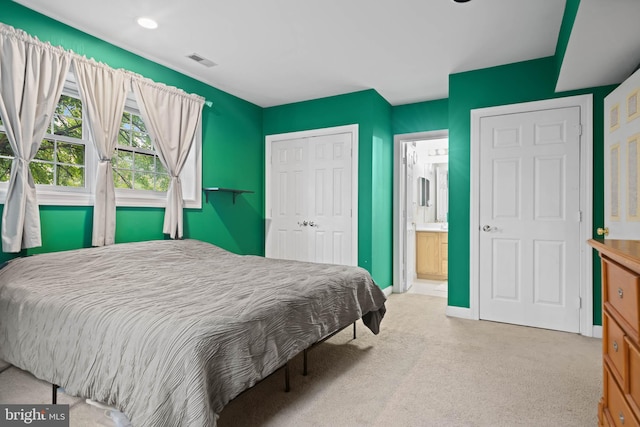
[[622, 160], [529, 250], [310, 199], [411, 198]]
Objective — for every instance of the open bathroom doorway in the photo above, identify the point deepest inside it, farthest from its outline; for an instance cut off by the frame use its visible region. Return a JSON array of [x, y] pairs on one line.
[[421, 201]]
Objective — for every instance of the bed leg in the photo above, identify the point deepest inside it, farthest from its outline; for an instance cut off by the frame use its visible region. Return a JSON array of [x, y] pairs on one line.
[[304, 362], [354, 330], [54, 394], [287, 387]]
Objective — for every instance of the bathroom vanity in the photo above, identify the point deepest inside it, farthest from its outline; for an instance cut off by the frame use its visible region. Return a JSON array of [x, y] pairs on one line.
[[432, 249]]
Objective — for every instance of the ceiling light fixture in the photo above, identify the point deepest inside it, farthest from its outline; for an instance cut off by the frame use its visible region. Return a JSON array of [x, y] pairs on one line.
[[147, 23], [461, 1]]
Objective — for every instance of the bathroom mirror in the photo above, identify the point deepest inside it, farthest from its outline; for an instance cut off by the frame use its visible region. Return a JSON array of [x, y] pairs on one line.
[[423, 192]]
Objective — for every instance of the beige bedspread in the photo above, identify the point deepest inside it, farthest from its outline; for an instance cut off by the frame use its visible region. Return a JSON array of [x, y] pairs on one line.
[[170, 331]]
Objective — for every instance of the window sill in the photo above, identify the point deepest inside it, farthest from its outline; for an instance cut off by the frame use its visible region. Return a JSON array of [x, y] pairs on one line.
[[124, 198]]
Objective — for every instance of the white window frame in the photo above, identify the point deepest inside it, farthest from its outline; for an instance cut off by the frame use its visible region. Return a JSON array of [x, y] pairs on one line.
[[191, 176]]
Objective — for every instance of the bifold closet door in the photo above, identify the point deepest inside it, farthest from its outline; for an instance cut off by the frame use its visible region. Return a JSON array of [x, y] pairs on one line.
[[311, 199]]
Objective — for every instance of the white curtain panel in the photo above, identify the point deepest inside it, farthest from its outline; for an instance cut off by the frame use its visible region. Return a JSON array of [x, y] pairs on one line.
[[103, 91], [32, 76], [172, 119]]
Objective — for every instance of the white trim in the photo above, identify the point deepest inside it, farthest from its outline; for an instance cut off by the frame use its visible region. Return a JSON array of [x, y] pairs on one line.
[[461, 312], [585, 102], [388, 291], [353, 130], [597, 331], [399, 195]]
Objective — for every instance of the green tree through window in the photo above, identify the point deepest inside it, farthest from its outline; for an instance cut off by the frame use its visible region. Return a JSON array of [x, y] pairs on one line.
[[61, 158], [135, 162], [60, 161]]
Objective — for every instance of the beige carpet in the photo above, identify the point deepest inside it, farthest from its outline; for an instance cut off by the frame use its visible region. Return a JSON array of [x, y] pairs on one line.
[[424, 369]]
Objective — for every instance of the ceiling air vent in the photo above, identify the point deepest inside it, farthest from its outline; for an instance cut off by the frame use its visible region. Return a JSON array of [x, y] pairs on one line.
[[200, 60]]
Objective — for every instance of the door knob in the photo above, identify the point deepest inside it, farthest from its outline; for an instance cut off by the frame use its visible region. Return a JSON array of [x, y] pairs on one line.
[[303, 223], [602, 231], [312, 224], [486, 228]]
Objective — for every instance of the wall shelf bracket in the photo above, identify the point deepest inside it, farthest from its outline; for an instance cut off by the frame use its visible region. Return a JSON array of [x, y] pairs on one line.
[[235, 192]]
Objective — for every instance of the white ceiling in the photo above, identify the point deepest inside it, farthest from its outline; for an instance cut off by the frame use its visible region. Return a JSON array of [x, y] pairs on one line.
[[604, 47], [281, 51]]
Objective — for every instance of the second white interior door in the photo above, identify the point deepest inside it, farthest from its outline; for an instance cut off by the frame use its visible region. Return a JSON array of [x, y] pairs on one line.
[[530, 218]]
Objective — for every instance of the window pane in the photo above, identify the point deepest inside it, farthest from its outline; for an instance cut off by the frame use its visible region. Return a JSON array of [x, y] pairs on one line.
[[160, 168], [70, 153], [124, 138], [69, 107], [45, 152], [42, 172], [141, 140], [5, 147], [123, 159], [162, 182], [144, 181], [122, 178], [5, 169], [144, 162], [67, 126], [138, 124], [70, 176], [126, 121]]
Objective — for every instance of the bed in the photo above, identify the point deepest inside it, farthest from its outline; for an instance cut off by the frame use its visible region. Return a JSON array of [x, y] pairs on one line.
[[170, 331]]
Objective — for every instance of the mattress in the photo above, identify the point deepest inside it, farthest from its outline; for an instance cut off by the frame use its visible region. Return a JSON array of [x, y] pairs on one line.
[[170, 331]]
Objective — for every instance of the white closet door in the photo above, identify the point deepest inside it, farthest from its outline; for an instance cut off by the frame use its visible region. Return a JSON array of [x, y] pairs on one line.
[[310, 199]]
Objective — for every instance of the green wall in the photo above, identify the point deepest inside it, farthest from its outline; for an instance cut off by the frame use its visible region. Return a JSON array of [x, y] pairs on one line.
[[420, 117], [232, 156], [514, 83], [375, 165]]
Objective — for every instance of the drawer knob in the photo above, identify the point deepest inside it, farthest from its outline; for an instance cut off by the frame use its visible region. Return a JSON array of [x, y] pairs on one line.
[[615, 346], [602, 231], [620, 293], [621, 416]]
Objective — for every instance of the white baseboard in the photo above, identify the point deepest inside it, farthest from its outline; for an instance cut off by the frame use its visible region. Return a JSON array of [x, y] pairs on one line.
[[597, 331], [461, 312], [388, 290]]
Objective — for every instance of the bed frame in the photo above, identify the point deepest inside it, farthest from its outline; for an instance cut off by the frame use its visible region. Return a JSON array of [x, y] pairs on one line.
[[287, 379]]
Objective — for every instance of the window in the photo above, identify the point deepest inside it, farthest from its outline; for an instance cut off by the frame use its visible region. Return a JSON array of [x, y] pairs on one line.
[[65, 166], [135, 162], [60, 161], [6, 155]]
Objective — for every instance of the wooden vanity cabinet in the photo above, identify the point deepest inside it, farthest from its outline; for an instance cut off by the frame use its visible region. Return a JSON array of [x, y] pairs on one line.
[[432, 255]]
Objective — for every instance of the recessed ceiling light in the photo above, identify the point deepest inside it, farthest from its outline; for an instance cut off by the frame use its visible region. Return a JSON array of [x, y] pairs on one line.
[[147, 23], [460, 1]]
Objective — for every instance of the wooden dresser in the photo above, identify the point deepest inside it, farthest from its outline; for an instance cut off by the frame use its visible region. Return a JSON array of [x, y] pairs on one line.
[[620, 403]]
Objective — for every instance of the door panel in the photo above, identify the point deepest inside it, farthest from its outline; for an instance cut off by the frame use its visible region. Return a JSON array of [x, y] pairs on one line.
[[331, 167], [411, 203], [622, 161], [529, 218]]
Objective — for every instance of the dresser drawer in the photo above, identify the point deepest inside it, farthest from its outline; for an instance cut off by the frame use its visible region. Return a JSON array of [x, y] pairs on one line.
[[616, 409], [632, 377], [614, 346], [622, 292]]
